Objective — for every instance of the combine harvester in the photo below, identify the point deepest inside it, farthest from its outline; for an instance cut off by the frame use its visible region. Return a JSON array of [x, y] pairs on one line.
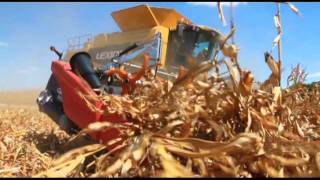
[[163, 36]]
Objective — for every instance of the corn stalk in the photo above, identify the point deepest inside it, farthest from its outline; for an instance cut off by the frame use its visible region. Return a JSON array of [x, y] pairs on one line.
[[279, 42], [232, 20]]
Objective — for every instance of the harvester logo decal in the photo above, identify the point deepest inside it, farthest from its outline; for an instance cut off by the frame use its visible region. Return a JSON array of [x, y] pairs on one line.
[[107, 54]]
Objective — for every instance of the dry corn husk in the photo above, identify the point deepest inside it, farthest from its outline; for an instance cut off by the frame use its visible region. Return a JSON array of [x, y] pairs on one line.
[[293, 8], [230, 50]]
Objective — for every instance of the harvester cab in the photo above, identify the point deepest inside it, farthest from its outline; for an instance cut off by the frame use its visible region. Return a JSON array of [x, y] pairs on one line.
[[150, 37], [180, 40]]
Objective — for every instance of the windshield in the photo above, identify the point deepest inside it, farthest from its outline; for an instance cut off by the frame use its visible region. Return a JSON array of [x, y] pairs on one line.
[[203, 48], [152, 48], [133, 58], [191, 45]]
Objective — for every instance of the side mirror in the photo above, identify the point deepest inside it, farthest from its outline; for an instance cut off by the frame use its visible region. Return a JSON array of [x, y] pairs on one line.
[[52, 48]]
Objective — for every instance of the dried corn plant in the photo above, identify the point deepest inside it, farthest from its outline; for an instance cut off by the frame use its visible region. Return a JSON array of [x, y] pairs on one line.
[[202, 128], [29, 141], [277, 40], [297, 76]]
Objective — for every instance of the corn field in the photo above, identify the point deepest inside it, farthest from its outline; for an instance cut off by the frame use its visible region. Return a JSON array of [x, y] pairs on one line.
[[191, 127]]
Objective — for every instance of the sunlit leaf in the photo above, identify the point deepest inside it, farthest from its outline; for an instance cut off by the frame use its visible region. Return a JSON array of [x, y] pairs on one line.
[[293, 8], [221, 15]]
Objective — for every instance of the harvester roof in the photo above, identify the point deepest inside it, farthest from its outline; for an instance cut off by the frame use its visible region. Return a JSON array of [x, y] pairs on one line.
[[144, 16]]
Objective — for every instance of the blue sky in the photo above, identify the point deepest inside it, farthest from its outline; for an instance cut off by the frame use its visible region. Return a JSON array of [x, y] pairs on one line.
[[28, 29]]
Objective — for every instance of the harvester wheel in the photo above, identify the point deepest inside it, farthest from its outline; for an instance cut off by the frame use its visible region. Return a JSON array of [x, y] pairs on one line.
[[67, 125]]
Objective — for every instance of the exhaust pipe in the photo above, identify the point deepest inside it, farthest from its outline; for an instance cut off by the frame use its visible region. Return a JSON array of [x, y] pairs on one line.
[[81, 65]]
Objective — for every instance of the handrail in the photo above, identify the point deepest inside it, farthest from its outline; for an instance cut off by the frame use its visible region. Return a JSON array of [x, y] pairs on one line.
[[78, 42]]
